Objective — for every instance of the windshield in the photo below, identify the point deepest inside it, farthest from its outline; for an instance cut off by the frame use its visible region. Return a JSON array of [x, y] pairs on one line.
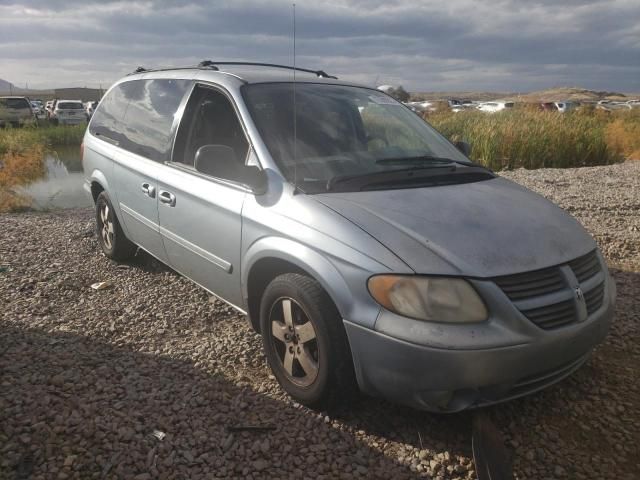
[[342, 131]]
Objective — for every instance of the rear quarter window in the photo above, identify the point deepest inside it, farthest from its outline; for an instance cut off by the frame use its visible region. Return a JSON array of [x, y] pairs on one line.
[[139, 115]]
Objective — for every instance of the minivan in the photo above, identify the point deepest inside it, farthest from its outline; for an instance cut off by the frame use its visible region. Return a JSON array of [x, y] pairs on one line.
[[368, 251]]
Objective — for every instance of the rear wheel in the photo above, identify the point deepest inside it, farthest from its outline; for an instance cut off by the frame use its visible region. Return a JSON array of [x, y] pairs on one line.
[[305, 342], [112, 239]]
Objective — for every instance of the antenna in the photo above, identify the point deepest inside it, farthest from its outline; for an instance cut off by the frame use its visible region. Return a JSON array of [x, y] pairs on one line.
[[295, 113]]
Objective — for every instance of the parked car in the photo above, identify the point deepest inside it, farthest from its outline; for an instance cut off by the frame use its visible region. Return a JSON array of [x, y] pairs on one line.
[[549, 107], [48, 107], [68, 112], [346, 244], [16, 111], [90, 108], [37, 107], [566, 106], [492, 107]]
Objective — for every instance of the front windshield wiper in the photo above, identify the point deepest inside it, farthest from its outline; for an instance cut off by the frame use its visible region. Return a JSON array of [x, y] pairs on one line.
[[395, 174], [421, 160]]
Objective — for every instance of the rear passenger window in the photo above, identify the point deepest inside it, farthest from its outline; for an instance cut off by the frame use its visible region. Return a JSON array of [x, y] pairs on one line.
[[139, 115]]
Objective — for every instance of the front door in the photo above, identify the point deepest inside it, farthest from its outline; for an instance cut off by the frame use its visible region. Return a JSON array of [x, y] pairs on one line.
[[200, 215]]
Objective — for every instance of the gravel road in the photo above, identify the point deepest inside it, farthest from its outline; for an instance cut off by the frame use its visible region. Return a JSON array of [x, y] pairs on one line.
[[87, 376]]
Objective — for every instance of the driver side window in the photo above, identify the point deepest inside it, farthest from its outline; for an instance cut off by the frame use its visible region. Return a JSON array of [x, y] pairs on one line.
[[210, 121]]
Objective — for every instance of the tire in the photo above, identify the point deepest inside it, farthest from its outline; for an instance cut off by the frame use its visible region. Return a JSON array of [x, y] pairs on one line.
[[111, 238], [320, 341]]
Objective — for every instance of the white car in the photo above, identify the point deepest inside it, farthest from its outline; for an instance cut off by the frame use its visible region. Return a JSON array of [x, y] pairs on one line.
[[68, 112], [564, 107], [89, 108], [492, 107], [420, 106], [37, 107]]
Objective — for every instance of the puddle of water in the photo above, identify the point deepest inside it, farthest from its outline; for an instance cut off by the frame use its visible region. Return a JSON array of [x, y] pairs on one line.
[[61, 185]]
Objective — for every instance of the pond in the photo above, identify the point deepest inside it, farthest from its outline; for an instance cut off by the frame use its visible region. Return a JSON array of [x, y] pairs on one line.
[[61, 185]]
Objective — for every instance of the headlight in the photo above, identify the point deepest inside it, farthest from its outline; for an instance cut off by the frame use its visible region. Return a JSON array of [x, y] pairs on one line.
[[433, 299]]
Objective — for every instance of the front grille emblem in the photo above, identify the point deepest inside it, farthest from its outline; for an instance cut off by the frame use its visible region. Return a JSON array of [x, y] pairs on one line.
[[579, 294]]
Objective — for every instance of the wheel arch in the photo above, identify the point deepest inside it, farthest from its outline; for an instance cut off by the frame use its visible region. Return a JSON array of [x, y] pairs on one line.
[[273, 256]]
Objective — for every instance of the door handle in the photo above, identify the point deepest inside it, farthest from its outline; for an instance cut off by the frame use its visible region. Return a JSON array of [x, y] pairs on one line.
[[149, 190], [167, 198]]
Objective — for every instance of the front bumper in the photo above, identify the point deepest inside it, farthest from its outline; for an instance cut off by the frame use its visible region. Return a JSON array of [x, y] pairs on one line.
[[443, 378]]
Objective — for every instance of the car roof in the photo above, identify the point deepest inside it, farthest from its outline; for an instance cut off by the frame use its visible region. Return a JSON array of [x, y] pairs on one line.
[[239, 75]]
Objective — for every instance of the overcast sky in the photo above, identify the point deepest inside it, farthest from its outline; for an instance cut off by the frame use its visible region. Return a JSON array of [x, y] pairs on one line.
[[439, 45]]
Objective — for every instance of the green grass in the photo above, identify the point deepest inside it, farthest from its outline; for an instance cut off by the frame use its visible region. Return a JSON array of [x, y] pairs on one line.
[[533, 139], [20, 140]]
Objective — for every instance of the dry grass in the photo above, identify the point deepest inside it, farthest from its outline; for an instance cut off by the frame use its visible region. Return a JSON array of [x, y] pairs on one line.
[[19, 168], [623, 134], [533, 139]]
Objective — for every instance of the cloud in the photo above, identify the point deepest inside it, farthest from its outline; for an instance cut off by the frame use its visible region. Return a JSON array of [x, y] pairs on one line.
[[513, 45]]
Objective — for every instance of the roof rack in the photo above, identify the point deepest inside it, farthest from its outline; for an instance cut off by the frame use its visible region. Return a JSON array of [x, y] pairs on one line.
[[211, 65]]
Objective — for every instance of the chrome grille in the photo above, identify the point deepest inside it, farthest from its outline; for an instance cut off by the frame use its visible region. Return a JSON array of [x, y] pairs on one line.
[[586, 266], [531, 284], [527, 290]]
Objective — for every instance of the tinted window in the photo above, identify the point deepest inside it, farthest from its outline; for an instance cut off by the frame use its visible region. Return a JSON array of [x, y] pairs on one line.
[[14, 103], [70, 105], [139, 116], [209, 119]]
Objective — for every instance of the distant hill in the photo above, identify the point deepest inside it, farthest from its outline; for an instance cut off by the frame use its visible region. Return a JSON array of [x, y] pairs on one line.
[[548, 95], [6, 86], [572, 93]]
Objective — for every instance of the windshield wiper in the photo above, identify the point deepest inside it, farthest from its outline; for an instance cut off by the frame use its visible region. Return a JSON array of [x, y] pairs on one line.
[[421, 160], [397, 174]]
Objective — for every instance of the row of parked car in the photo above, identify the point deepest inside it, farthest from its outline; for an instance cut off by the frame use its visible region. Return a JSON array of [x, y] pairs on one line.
[[18, 111], [456, 105]]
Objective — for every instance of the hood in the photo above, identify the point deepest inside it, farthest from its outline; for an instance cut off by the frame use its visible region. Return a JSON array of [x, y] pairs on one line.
[[482, 229]]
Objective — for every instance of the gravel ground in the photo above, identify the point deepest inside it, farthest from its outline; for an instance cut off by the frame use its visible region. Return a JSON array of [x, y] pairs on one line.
[[87, 376]]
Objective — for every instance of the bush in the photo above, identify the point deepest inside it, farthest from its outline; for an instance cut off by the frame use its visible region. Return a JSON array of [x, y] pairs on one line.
[[535, 139]]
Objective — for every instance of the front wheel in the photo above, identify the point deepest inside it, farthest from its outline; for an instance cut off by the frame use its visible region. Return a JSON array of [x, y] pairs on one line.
[[305, 342]]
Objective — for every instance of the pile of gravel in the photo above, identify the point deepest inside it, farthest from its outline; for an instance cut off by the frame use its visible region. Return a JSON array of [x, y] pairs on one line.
[[152, 378]]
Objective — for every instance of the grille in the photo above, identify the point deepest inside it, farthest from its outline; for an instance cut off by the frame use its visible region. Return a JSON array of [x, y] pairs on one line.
[[531, 284], [552, 316], [594, 298], [586, 266]]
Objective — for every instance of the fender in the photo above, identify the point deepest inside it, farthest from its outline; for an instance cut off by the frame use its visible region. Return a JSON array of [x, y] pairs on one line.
[[349, 294], [99, 177]]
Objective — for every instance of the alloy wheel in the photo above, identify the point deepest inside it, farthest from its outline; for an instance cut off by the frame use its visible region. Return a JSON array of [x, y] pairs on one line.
[[294, 338], [106, 230]]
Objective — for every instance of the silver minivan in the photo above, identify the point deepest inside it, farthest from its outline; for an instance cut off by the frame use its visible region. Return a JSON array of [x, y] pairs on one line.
[[368, 251]]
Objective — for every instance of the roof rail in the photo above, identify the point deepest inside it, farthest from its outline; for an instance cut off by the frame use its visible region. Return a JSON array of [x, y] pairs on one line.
[[319, 73], [211, 65]]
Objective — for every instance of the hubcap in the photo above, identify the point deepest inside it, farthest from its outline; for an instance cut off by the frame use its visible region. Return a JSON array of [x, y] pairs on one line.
[[106, 230], [294, 338]]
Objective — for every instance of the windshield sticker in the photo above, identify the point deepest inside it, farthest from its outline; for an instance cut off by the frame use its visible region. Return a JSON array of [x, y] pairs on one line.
[[382, 100]]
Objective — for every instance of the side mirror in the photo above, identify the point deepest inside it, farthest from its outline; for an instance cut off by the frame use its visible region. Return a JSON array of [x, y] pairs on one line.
[[464, 147], [217, 161], [255, 179], [221, 161]]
